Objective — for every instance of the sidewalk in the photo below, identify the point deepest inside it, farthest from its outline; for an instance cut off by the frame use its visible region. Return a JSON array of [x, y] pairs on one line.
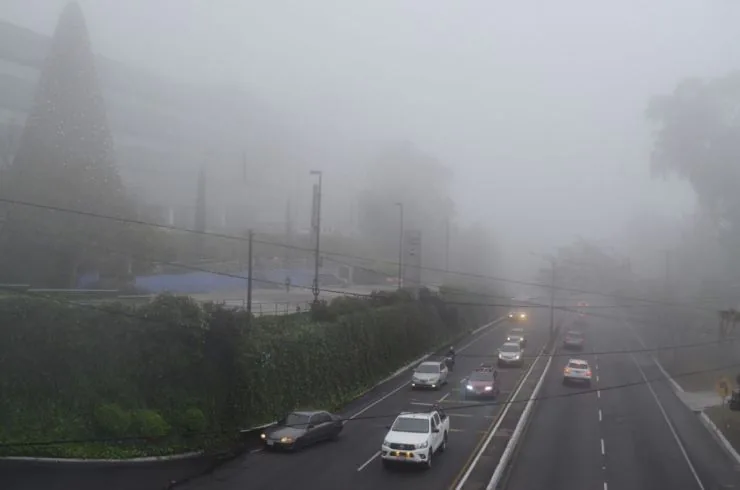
[[698, 392], [723, 423]]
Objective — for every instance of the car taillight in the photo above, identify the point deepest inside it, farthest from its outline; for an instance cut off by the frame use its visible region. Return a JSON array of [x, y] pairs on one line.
[[566, 370], [588, 373]]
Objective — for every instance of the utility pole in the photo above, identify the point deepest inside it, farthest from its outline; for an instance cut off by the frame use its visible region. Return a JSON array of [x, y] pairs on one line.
[[552, 300], [400, 246], [317, 257], [447, 247], [249, 274]]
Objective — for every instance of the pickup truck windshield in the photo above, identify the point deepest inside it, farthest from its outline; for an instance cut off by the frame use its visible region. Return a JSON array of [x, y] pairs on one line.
[[408, 424]]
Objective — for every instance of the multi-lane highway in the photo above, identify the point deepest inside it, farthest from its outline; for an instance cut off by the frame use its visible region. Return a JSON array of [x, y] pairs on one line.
[[353, 462], [620, 434]]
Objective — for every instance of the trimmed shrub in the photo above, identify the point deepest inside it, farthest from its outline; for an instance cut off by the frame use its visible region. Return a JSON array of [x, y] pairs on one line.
[[111, 420]]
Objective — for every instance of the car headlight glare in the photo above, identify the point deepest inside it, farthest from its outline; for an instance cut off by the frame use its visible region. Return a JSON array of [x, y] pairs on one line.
[[470, 387], [489, 388], [286, 440], [422, 445]]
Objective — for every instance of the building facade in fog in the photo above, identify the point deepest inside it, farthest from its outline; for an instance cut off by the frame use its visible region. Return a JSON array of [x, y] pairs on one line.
[[164, 132]]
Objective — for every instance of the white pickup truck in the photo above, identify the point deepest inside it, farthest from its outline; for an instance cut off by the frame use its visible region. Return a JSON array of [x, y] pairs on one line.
[[415, 437]]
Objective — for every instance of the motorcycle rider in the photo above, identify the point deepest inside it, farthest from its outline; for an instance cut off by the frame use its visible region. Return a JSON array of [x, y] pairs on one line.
[[451, 353]]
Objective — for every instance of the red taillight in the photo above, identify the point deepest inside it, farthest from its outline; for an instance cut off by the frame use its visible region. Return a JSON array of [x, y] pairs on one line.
[[566, 370], [588, 373]]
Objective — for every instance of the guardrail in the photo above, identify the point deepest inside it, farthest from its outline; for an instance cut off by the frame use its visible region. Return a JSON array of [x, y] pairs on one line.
[[511, 445]]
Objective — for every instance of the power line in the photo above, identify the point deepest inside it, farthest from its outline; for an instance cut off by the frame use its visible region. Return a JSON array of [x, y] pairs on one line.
[[460, 407], [238, 238]]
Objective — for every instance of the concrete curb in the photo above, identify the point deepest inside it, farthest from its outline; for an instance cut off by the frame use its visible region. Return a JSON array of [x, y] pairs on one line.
[[503, 463], [703, 417], [423, 358], [494, 430], [71, 461], [719, 436]]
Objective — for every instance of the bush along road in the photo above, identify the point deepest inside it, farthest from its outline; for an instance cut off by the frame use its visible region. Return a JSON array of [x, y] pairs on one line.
[[174, 376]]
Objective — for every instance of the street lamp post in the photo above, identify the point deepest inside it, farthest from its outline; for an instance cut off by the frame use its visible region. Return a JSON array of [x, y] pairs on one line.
[[317, 257], [552, 261], [400, 246]]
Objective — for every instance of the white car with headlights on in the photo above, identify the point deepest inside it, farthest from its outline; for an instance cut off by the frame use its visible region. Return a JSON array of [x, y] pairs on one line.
[[577, 371], [517, 335], [415, 437], [430, 374], [510, 354]]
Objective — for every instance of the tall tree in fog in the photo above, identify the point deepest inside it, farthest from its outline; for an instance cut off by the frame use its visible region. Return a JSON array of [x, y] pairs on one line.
[[65, 160], [403, 173], [698, 139]]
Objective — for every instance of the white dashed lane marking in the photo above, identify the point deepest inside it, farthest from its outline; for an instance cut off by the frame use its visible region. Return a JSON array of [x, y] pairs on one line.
[[603, 450]]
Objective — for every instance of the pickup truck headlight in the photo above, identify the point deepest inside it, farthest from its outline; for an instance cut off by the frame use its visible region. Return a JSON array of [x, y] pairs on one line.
[[422, 445], [489, 388], [386, 443], [470, 387]]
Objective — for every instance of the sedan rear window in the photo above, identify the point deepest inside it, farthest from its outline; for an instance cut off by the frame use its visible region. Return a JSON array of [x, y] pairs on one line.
[[578, 365]]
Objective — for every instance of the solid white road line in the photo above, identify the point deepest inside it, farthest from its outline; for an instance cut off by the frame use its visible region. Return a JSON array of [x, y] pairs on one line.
[[605, 487], [372, 458], [399, 388], [500, 420], [603, 450], [668, 422], [396, 390], [599, 415], [514, 439]]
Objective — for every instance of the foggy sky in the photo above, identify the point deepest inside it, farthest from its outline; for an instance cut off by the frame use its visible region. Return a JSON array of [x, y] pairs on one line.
[[537, 106]]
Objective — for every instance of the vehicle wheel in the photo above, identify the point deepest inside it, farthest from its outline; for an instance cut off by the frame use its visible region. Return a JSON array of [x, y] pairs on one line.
[[443, 446], [429, 459]]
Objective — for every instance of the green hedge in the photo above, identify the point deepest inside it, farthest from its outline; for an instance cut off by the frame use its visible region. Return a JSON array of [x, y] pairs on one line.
[[174, 375]]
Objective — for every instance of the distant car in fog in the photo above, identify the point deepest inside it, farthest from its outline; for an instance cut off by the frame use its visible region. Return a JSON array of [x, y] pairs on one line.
[[518, 316], [482, 383], [574, 340], [577, 371], [510, 354], [517, 335]]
